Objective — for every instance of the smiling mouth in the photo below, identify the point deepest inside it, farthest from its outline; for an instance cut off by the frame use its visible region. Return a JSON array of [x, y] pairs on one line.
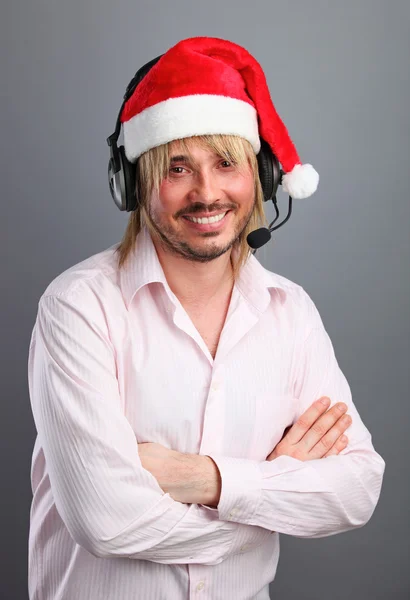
[[205, 220]]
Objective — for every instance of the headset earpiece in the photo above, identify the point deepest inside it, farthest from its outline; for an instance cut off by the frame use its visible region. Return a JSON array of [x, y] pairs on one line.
[[269, 171], [129, 170], [122, 179]]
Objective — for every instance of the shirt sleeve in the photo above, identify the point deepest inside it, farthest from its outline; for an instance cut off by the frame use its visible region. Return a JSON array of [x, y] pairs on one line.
[[314, 498], [110, 504]]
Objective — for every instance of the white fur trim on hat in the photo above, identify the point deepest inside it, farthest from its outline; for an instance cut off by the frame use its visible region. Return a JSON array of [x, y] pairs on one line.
[[301, 181], [186, 116]]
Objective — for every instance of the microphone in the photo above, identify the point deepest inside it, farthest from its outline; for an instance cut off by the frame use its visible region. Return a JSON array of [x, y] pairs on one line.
[[257, 238]]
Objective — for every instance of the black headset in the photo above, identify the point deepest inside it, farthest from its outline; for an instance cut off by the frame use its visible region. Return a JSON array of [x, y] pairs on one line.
[[122, 176]]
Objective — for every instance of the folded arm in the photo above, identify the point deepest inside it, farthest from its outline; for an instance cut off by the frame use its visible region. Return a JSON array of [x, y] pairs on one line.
[[110, 504], [314, 498]]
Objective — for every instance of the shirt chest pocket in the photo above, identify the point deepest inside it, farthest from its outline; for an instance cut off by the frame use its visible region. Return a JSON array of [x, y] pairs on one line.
[[259, 406], [273, 413]]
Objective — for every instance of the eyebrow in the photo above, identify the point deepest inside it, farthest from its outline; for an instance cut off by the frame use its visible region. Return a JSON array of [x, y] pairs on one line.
[[179, 158], [186, 159]]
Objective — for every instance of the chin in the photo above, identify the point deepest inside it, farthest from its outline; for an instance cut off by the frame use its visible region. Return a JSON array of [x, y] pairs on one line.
[[209, 250]]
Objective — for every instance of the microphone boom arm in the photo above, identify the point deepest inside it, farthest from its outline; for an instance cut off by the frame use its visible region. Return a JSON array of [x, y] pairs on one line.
[[277, 215]]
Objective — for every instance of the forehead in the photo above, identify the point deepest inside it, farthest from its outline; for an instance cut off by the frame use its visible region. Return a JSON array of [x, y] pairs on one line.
[[194, 147]]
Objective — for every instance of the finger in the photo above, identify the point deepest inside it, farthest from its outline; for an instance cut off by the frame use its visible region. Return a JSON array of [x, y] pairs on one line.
[[323, 425], [306, 420], [338, 446], [328, 440]]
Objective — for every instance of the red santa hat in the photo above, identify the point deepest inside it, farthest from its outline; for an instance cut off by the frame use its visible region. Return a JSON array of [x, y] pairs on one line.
[[206, 85]]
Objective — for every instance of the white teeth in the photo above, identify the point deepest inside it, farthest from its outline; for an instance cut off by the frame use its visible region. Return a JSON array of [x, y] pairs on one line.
[[207, 219]]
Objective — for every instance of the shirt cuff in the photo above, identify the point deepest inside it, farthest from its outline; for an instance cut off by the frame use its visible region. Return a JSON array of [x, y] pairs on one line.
[[241, 491]]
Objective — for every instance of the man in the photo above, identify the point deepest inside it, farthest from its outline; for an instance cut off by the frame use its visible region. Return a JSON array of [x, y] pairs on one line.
[[188, 402]]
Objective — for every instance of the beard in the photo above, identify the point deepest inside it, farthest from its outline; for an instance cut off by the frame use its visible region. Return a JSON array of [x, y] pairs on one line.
[[172, 241]]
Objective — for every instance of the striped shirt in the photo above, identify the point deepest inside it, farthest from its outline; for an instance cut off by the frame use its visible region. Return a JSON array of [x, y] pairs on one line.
[[114, 360]]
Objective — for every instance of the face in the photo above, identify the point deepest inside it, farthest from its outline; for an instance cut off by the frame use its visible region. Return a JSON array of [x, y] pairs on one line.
[[203, 204]]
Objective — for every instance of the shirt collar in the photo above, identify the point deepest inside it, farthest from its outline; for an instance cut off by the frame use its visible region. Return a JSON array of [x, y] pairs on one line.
[[255, 284], [143, 267]]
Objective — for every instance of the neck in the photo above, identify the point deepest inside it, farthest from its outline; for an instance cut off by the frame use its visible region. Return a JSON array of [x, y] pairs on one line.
[[196, 282]]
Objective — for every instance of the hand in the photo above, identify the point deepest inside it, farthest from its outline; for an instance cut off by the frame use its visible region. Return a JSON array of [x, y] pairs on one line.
[[315, 435]]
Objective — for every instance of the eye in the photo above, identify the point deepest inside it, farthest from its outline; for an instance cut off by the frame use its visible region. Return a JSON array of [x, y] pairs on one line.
[[227, 163], [174, 170]]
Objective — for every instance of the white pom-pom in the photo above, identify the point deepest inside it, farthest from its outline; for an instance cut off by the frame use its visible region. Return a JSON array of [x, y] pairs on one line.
[[301, 181]]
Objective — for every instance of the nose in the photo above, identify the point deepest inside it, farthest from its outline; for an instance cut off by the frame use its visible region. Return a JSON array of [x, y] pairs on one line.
[[205, 187]]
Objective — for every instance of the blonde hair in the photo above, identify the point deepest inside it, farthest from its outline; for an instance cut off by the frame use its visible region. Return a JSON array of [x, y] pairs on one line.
[[152, 167]]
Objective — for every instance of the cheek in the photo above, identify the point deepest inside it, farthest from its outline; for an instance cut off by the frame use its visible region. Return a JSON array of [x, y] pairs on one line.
[[168, 199], [244, 190]]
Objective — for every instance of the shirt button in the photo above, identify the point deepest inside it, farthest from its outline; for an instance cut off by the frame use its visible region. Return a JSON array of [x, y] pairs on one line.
[[214, 386], [243, 548], [200, 586], [233, 512]]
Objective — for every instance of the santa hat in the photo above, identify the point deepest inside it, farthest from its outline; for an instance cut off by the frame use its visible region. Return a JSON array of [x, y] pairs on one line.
[[206, 85]]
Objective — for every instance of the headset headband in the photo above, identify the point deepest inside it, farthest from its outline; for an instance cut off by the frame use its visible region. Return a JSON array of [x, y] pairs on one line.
[[139, 75]]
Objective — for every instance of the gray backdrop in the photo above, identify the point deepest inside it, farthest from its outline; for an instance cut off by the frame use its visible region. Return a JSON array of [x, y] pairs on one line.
[[339, 77]]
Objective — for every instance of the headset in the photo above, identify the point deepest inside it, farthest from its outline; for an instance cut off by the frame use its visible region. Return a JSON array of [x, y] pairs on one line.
[[122, 174]]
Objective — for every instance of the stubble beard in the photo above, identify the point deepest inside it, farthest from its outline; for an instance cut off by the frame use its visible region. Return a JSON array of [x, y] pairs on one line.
[[171, 241]]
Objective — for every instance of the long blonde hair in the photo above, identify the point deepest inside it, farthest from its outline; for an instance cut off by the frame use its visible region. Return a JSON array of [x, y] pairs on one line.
[[152, 167]]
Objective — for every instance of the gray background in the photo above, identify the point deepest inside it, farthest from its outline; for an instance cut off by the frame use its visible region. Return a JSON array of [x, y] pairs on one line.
[[339, 77]]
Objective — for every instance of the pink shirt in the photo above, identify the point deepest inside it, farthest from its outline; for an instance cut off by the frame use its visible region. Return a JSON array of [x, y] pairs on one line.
[[115, 360]]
